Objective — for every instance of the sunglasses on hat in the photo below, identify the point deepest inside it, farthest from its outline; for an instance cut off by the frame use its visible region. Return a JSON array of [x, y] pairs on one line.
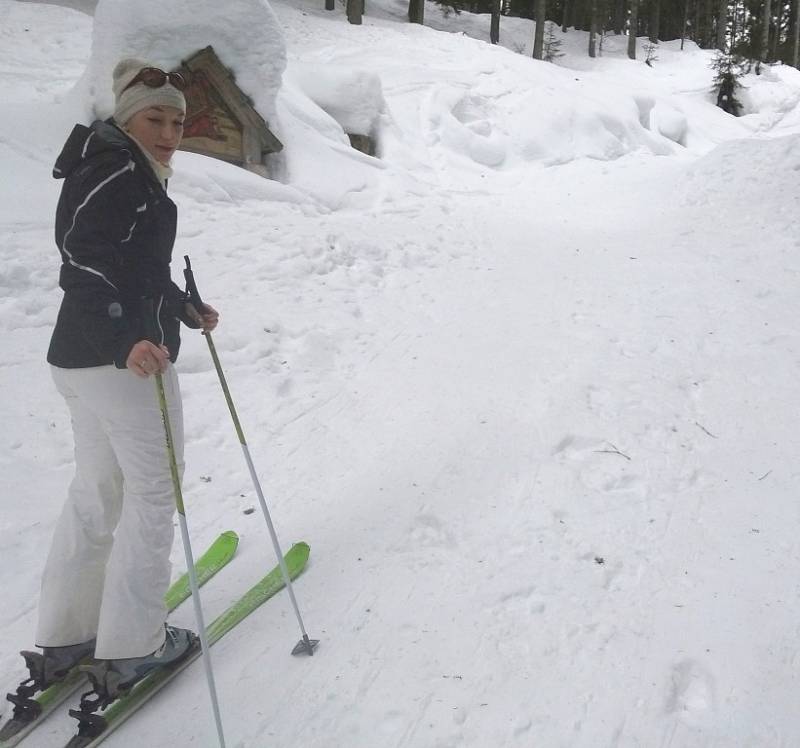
[[155, 78]]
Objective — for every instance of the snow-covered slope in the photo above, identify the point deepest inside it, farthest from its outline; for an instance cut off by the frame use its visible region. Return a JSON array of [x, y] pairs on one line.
[[526, 384]]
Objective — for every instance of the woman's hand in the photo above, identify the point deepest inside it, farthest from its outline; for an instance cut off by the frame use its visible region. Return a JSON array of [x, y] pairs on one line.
[[147, 358], [208, 320]]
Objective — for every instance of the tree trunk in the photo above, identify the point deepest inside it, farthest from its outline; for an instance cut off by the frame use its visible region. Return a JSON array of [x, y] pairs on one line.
[[580, 15], [593, 31], [698, 37], [683, 22], [722, 25], [540, 11], [565, 15], [776, 37], [330, 4], [494, 31], [707, 30], [619, 16], [416, 11], [355, 9], [633, 28], [796, 39], [655, 20], [765, 21]]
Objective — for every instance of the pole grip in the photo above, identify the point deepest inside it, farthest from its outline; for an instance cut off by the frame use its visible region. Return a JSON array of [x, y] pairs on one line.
[[191, 287]]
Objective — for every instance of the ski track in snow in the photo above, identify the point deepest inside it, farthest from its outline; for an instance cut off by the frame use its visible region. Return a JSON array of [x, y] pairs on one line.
[[543, 445]]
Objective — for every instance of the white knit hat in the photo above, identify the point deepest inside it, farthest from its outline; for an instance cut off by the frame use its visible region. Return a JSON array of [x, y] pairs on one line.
[[140, 96]]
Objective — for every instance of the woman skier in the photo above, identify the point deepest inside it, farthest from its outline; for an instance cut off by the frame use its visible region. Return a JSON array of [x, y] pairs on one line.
[[108, 568]]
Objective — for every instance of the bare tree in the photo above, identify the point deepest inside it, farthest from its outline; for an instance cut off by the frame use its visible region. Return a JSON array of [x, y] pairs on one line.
[[633, 27], [722, 25], [796, 39], [655, 20], [494, 30], [782, 10], [355, 10], [618, 21], [765, 22], [416, 11], [593, 31], [684, 21], [540, 11], [565, 11]]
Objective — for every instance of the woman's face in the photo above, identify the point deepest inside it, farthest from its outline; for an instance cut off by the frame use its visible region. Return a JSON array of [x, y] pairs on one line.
[[159, 129]]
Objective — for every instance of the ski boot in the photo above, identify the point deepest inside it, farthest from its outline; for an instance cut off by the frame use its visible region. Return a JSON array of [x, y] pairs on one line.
[[112, 679], [51, 666]]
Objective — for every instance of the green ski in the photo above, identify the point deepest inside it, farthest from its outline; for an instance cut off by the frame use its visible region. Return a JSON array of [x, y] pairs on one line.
[[94, 728], [36, 709]]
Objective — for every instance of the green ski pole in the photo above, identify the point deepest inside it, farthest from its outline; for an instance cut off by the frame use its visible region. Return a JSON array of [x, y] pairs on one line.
[[187, 546]]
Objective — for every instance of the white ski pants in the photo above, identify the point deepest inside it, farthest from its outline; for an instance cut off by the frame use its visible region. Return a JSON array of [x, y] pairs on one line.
[[109, 567]]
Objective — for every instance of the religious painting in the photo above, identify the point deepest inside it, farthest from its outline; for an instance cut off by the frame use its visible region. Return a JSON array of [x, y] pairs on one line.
[[210, 127], [220, 119]]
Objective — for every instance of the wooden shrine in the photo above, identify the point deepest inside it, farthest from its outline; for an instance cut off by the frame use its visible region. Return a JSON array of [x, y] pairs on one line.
[[221, 121]]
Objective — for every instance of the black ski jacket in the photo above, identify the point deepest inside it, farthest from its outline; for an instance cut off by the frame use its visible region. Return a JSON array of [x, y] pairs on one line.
[[115, 228]]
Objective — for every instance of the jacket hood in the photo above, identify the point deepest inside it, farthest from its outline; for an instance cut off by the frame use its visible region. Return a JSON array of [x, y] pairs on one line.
[[85, 142]]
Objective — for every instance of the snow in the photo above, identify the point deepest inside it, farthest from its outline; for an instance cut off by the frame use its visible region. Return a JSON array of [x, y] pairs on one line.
[[317, 156], [352, 97], [245, 35], [527, 384]]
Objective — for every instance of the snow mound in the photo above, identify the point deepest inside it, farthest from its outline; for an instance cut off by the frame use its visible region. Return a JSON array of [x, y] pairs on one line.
[[662, 118], [245, 35], [542, 126], [211, 181], [318, 159], [772, 97], [763, 167], [66, 41], [352, 97], [468, 126]]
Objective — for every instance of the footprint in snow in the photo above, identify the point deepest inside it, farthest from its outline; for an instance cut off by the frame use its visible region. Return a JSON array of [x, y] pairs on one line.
[[691, 693], [429, 531], [601, 465]]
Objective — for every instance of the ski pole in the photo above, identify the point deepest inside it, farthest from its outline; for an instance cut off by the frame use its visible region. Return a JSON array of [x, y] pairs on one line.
[[305, 645], [187, 546]]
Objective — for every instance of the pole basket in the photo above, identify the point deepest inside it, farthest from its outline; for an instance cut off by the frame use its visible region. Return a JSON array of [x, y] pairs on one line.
[[305, 646]]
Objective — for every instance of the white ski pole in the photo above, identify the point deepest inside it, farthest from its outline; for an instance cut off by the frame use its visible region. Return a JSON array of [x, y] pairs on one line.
[[305, 645]]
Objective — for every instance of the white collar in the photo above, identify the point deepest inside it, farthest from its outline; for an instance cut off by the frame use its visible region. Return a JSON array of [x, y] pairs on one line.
[[162, 171]]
